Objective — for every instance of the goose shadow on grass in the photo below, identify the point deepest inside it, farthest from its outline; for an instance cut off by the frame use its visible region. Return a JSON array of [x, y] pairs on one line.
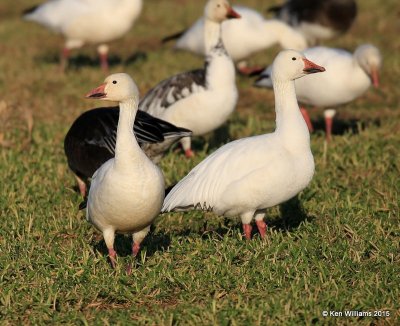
[[345, 126], [78, 61], [213, 140], [123, 243], [292, 215]]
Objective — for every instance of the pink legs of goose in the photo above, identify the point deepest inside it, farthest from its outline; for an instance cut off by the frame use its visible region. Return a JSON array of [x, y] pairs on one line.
[[101, 49], [328, 115], [189, 153], [307, 119], [137, 238], [135, 251], [261, 225], [82, 186]]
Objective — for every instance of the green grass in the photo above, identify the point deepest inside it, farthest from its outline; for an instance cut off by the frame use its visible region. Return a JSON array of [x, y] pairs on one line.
[[334, 248]]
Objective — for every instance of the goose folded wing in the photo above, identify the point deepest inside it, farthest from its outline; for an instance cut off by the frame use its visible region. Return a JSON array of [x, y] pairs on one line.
[[171, 90]]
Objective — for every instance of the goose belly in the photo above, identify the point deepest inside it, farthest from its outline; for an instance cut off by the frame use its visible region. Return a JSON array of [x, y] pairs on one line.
[[333, 92], [267, 187], [202, 112], [124, 202], [95, 29]]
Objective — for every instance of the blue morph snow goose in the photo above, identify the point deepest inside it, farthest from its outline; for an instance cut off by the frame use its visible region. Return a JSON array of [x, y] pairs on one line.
[[199, 100], [318, 19], [127, 191], [86, 21], [247, 176], [91, 139]]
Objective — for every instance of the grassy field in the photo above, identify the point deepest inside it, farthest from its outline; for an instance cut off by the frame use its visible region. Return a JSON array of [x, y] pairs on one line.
[[334, 248]]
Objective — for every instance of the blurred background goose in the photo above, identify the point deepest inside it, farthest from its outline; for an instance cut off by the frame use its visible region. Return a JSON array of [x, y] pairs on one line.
[[127, 191], [200, 100], [242, 37], [317, 20], [86, 21], [348, 76], [246, 176]]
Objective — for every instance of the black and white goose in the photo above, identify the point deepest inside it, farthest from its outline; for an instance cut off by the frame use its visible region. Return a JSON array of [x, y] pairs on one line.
[[199, 100], [91, 140], [318, 19], [127, 191]]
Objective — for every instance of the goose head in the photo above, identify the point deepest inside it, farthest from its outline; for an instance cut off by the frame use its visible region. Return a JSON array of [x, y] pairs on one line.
[[290, 65], [370, 60], [116, 87], [219, 10]]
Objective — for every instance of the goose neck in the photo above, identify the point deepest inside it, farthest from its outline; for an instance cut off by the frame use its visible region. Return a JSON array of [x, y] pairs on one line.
[[290, 124], [126, 145], [212, 35]]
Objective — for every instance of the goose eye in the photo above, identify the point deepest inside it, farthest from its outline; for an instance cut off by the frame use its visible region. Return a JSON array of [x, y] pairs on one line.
[[293, 58], [114, 82]]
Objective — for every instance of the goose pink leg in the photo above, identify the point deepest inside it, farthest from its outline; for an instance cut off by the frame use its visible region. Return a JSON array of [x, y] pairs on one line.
[[113, 256], [64, 59], [186, 145], [135, 251], [189, 153], [262, 228], [247, 231], [137, 237], [329, 114], [102, 49], [307, 119], [81, 186], [104, 61], [328, 128]]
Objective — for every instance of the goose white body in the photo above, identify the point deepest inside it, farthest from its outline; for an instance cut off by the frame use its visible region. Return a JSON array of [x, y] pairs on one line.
[[249, 175], [127, 191], [244, 177], [346, 78], [119, 198], [87, 21], [243, 37]]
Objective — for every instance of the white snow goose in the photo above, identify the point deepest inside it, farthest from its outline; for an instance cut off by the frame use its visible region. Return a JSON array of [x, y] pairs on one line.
[[247, 176], [318, 19], [348, 76], [242, 37], [90, 141], [199, 100], [127, 191], [86, 21]]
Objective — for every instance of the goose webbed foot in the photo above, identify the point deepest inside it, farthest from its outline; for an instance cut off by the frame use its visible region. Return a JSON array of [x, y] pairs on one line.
[[189, 153]]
